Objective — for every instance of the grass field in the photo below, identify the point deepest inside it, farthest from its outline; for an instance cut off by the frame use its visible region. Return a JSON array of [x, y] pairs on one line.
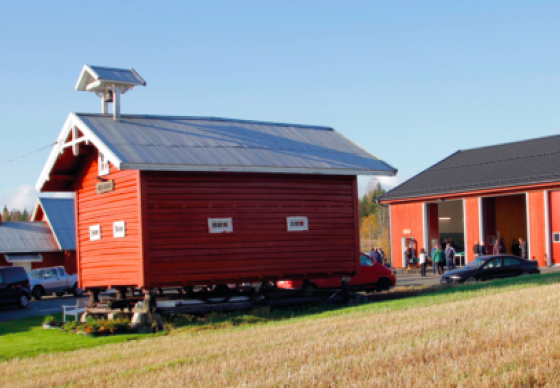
[[25, 337], [502, 334]]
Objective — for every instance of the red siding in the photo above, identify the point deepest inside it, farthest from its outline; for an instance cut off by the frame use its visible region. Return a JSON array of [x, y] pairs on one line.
[[181, 251], [110, 261], [537, 242], [472, 234], [405, 216]]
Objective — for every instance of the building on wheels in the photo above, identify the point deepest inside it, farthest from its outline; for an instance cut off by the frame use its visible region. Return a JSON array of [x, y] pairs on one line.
[[172, 201]]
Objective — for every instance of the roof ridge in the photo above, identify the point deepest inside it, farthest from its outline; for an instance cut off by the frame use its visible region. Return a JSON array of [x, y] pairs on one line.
[[207, 118], [109, 68], [510, 143], [493, 161]]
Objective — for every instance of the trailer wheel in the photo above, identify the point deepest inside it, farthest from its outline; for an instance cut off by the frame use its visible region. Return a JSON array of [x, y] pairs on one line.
[[220, 294], [383, 285]]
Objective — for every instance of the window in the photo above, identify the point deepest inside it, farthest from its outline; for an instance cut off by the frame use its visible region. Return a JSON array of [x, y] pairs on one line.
[[556, 237], [494, 263], [119, 229], [51, 273], [95, 233], [220, 225], [60, 272], [297, 224], [510, 262], [366, 261], [103, 165]]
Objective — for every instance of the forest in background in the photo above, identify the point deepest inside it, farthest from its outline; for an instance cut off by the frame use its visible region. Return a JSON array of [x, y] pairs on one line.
[[15, 215], [374, 221]]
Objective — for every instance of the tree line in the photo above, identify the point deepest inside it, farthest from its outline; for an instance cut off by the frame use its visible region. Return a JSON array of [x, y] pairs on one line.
[[374, 221], [15, 215]]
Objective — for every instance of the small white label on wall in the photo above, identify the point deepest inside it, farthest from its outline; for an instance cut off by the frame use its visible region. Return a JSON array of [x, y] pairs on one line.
[[95, 233], [297, 224], [119, 229], [220, 225]]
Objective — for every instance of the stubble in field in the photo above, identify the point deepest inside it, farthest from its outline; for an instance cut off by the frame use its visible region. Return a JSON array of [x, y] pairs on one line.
[[494, 339]]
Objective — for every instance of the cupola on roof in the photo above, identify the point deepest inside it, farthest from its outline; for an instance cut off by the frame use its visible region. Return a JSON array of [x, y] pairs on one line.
[[92, 78]]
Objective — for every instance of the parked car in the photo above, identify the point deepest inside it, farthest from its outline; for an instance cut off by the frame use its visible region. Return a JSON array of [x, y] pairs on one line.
[[492, 267], [373, 277], [14, 286], [53, 280]]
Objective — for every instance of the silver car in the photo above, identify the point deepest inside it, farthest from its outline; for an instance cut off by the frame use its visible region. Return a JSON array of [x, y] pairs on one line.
[[53, 280]]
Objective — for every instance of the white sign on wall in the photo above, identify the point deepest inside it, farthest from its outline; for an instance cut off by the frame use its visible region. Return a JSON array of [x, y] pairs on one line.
[[119, 229], [95, 232]]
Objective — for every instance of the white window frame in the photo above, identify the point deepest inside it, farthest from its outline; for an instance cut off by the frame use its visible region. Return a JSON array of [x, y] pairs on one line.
[[300, 228], [103, 165], [95, 236], [555, 234], [226, 228], [119, 233]]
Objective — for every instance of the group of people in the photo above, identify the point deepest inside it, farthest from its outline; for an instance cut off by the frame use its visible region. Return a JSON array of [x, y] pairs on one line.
[[518, 248], [377, 255], [439, 258]]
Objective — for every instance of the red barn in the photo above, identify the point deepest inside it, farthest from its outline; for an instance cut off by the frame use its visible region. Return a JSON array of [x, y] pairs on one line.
[[164, 201], [48, 241], [508, 191]]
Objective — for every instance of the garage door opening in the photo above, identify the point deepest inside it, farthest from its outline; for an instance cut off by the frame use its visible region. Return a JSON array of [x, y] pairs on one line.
[[504, 217], [447, 224]]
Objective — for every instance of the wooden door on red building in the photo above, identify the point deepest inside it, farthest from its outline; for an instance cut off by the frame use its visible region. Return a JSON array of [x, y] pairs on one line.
[[554, 231]]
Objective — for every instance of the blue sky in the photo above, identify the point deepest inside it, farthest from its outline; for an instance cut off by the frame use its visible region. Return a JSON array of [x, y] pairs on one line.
[[409, 81]]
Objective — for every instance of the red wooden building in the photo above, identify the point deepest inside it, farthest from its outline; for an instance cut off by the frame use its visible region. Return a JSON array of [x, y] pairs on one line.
[[508, 191], [48, 241], [166, 201]]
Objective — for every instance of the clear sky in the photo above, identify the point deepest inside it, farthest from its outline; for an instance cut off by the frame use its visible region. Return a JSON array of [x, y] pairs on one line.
[[410, 81]]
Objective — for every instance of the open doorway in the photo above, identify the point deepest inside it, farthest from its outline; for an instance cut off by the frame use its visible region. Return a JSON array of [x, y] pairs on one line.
[[446, 222], [504, 217]]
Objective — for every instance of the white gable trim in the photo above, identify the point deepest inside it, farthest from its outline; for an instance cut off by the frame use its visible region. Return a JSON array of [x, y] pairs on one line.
[[74, 121]]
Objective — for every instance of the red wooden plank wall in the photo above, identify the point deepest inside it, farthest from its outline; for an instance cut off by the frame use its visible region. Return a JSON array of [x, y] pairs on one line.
[[472, 234], [108, 262], [537, 234], [405, 216], [181, 250]]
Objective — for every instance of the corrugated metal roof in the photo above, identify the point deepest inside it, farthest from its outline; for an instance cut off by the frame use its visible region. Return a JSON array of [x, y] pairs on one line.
[[505, 165], [26, 237], [118, 75], [60, 213], [204, 144]]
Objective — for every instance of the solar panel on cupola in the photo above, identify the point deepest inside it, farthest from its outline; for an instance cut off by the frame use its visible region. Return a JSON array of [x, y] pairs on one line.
[[109, 83], [179, 201]]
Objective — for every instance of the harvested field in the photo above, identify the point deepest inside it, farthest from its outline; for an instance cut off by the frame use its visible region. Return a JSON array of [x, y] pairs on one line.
[[490, 337]]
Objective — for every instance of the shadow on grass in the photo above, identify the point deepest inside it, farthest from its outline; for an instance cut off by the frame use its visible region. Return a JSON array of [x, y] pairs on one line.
[[402, 299], [25, 324]]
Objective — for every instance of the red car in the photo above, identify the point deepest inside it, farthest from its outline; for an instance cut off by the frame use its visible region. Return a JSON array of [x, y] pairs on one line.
[[373, 277]]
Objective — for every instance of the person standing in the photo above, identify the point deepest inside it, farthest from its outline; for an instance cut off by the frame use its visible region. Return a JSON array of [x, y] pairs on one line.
[[482, 248], [476, 249], [374, 255], [523, 248], [438, 259], [515, 247], [432, 258], [381, 255], [408, 256], [502, 246], [423, 260], [450, 257], [496, 248]]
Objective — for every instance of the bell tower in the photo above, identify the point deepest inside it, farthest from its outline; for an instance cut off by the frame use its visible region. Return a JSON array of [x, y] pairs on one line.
[[109, 84]]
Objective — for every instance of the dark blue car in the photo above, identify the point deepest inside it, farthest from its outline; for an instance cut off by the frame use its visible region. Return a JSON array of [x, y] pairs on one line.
[[491, 267]]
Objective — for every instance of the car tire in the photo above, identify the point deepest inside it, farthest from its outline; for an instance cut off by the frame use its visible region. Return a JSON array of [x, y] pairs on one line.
[[23, 300], [59, 294], [383, 285], [471, 280], [38, 293], [525, 273], [77, 291]]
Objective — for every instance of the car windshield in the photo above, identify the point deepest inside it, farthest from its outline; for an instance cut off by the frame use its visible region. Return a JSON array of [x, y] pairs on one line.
[[476, 264], [36, 274]]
